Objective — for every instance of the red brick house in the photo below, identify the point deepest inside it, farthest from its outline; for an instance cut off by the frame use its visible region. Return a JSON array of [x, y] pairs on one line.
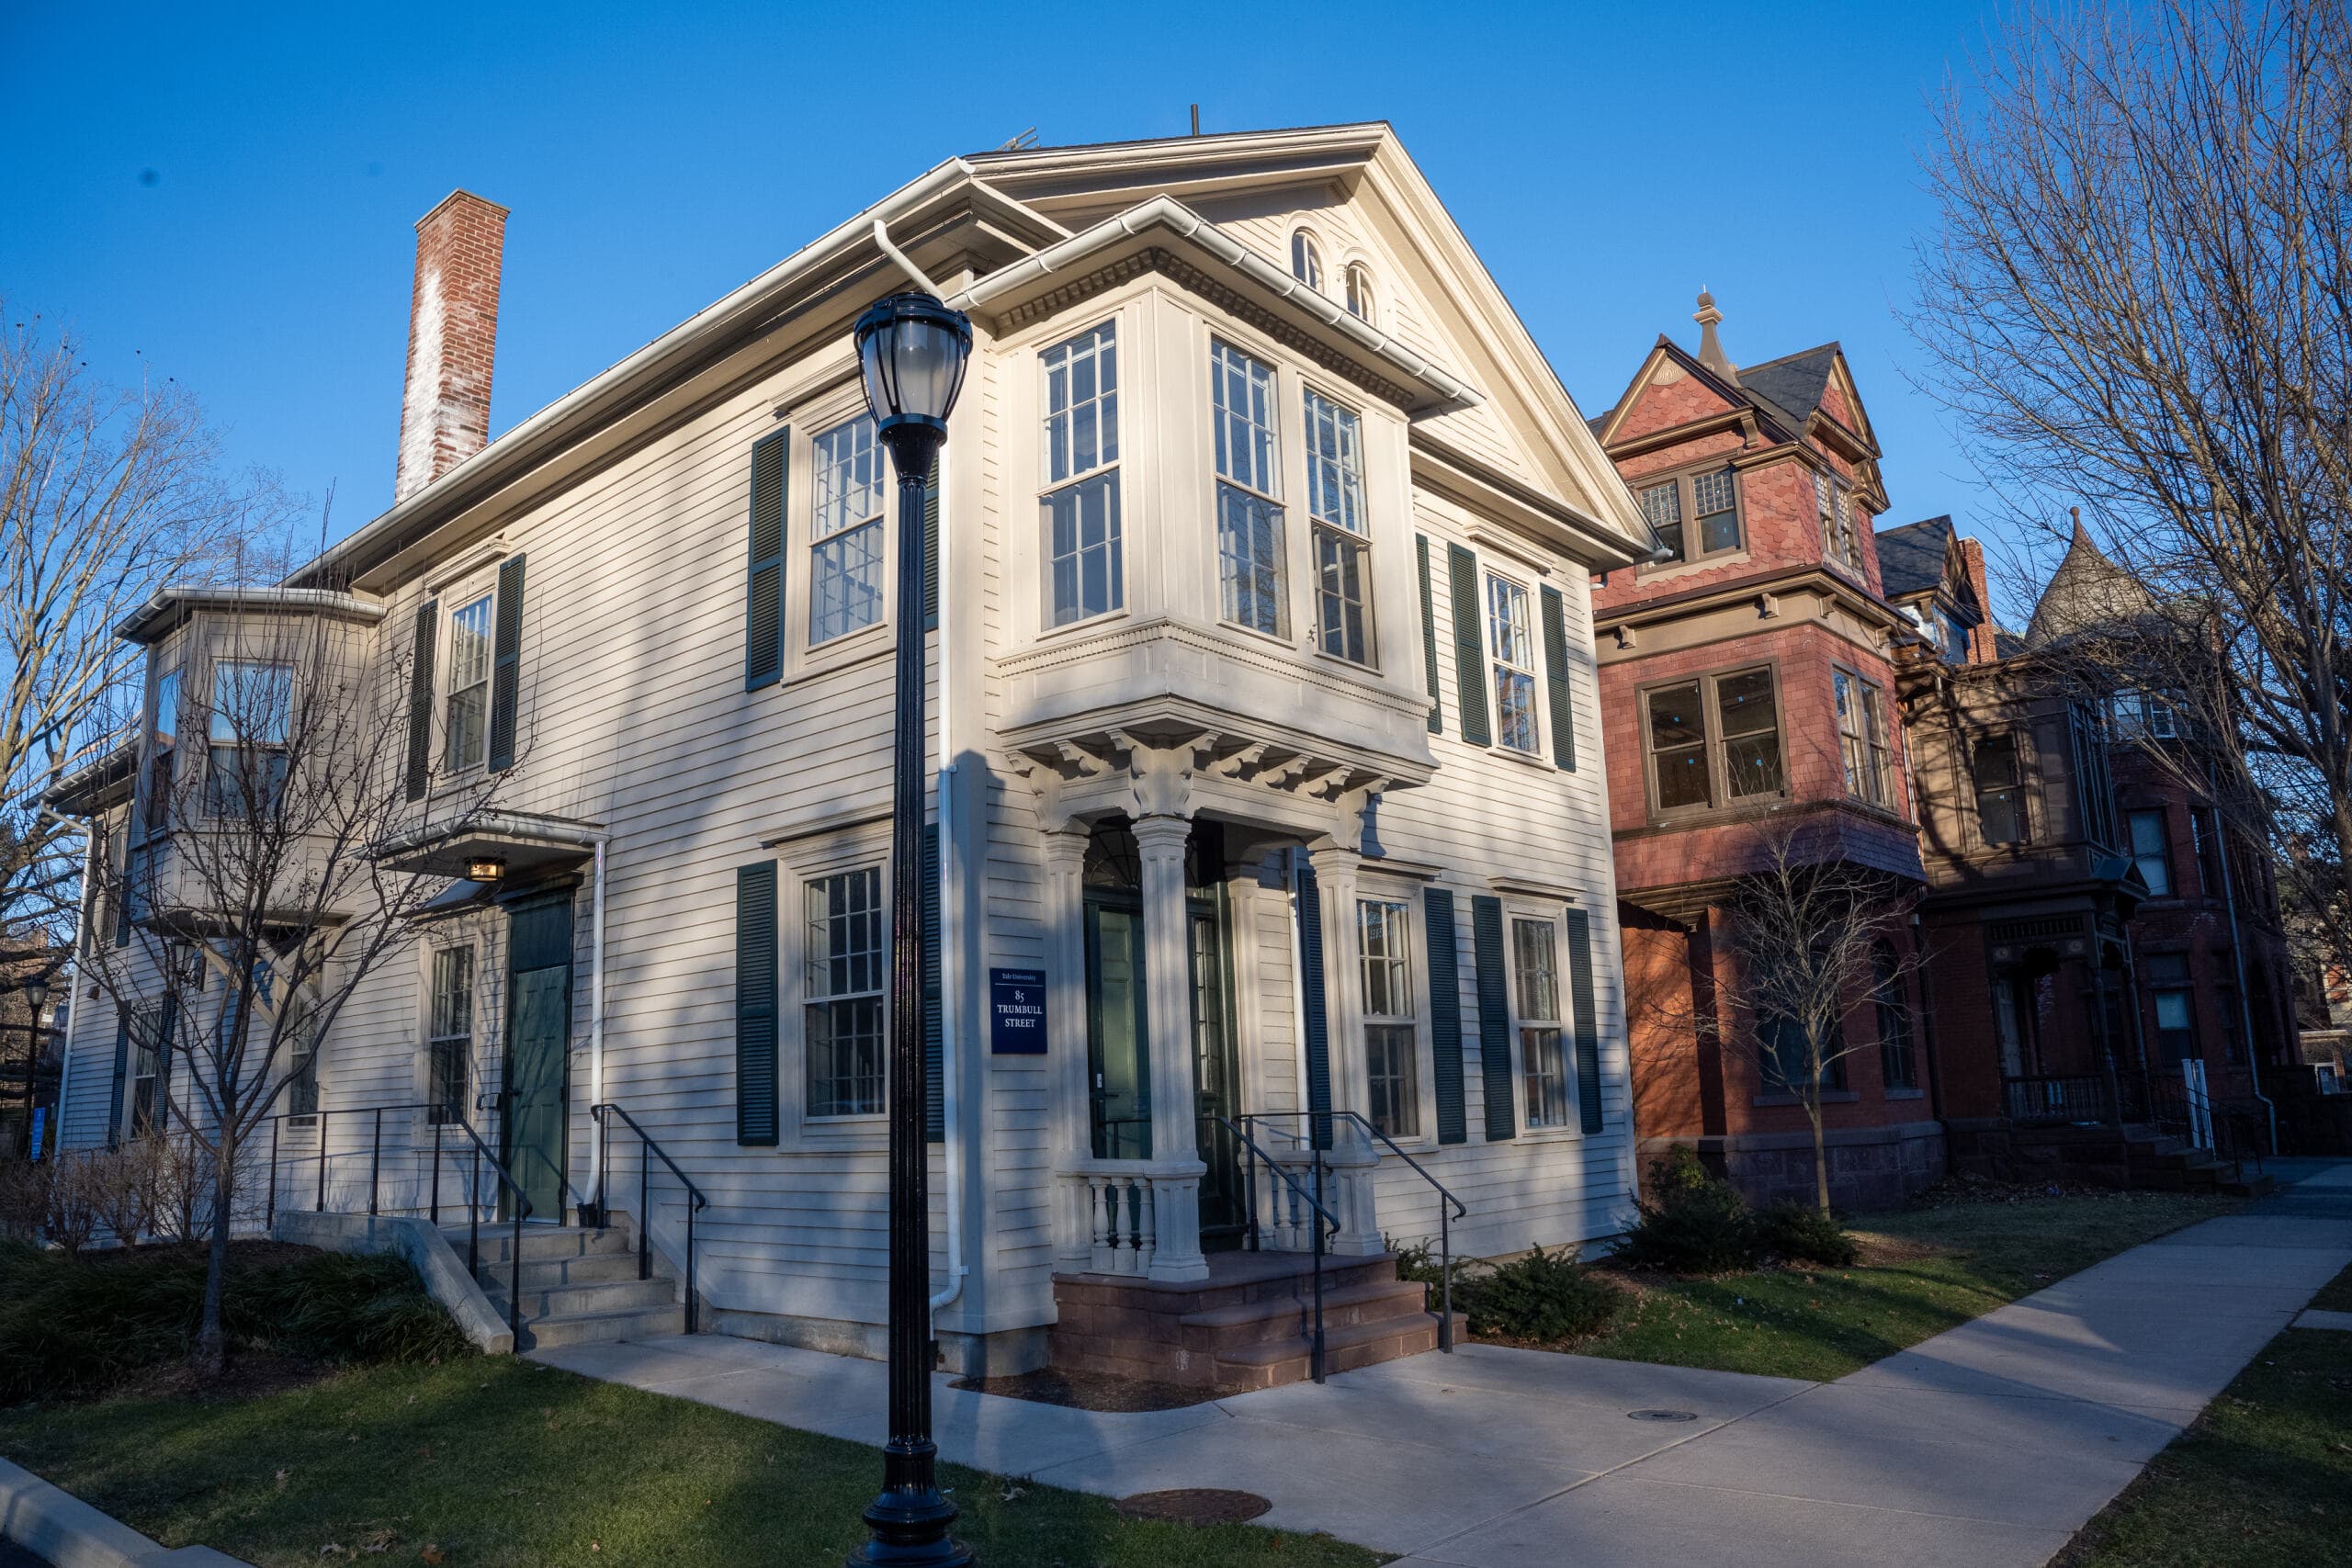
[[1746, 685]]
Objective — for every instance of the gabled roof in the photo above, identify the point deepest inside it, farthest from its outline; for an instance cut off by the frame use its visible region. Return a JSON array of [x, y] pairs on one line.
[[1911, 559], [1786, 396], [1794, 383], [2086, 592]]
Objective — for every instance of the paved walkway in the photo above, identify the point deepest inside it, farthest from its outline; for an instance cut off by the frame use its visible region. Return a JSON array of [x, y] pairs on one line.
[[1988, 1445]]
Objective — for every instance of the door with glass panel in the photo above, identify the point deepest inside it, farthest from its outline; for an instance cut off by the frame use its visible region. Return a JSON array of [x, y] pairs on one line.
[[1215, 1077], [535, 1097]]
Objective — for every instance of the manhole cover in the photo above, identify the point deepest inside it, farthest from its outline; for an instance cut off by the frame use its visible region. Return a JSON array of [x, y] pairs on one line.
[[1194, 1505], [1662, 1415]]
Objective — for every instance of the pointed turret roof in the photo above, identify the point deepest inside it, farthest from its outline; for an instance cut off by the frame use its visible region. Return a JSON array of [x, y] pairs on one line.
[[2087, 590]]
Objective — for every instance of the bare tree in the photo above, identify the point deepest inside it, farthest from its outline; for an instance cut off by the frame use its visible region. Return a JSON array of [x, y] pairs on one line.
[[1810, 943], [107, 493], [259, 891], [2141, 296]]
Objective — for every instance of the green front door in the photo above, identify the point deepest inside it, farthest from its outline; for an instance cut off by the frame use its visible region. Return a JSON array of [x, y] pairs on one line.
[[538, 1051], [1118, 1049]]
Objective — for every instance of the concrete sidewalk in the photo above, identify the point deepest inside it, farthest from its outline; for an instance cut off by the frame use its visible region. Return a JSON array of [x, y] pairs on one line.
[[1988, 1445]]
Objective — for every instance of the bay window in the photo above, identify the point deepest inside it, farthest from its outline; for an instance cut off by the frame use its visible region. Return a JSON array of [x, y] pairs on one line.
[[1250, 565], [1335, 505], [1994, 770], [1085, 566], [1861, 736], [251, 715], [1714, 739]]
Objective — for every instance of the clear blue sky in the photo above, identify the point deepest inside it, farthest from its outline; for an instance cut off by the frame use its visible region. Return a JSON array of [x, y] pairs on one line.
[[229, 199]]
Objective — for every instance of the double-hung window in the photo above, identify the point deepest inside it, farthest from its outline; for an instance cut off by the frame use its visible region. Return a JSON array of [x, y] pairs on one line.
[[149, 1095], [1897, 1064], [1709, 498], [1391, 1063], [163, 740], [465, 722], [1833, 504], [2150, 851], [1715, 740], [1342, 554], [1511, 652], [1543, 1052], [845, 536], [1249, 545], [449, 1033], [251, 717], [1995, 772], [847, 974], [1085, 568], [1861, 737], [2176, 1005]]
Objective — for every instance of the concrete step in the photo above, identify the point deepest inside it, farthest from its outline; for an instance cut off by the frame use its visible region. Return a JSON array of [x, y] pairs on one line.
[[1223, 1329], [596, 1269], [1344, 1350], [632, 1294], [602, 1327], [2250, 1186], [543, 1242]]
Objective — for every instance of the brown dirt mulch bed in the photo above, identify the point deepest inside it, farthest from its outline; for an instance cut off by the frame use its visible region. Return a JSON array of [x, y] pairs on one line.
[[1089, 1390], [250, 1375]]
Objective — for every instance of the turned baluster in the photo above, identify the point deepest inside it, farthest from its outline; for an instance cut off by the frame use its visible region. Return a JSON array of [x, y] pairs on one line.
[[1145, 1241], [1101, 1240]]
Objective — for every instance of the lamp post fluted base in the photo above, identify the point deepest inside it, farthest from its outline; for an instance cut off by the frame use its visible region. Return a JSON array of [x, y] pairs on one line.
[[910, 1520]]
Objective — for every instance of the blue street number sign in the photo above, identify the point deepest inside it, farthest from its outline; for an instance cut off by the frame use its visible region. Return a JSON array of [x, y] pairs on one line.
[[1017, 1013]]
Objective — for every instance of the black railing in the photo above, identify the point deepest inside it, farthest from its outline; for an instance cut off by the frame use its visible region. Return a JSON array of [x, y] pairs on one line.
[[1448, 1209], [647, 1151], [2236, 1128], [2057, 1101], [1322, 1228], [439, 1119]]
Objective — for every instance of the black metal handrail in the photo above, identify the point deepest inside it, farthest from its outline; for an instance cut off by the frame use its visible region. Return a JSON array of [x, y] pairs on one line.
[[1444, 1219], [443, 1116], [647, 1147], [1316, 1231]]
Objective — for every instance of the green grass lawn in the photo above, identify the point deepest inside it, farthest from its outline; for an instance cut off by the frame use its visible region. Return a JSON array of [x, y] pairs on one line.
[[499, 1463], [1923, 1271], [2263, 1479]]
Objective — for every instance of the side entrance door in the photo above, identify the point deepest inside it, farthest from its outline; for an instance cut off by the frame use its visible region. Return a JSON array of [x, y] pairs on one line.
[[537, 1101]]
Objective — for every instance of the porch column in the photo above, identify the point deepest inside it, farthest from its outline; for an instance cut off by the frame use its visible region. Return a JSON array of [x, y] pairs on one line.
[[1176, 1168], [1353, 1156], [1066, 1035]]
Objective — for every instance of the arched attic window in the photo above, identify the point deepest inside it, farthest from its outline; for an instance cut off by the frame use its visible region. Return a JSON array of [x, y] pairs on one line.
[[1360, 291], [1305, 260]]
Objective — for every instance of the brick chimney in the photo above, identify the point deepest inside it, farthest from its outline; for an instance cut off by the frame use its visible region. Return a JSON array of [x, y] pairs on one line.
[[1980, 641], [452, 336]]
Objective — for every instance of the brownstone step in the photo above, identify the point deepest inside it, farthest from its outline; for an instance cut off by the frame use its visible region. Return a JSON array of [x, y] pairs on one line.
[[1223, 1329], [1344, 1349]]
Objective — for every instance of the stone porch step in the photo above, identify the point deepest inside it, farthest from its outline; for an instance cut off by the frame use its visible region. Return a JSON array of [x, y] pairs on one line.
[[1224, 1329], [1345, 1348]]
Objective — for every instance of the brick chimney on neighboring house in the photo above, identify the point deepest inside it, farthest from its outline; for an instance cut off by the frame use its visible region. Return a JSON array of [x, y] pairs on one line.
[[1981, 648], [452, 336]]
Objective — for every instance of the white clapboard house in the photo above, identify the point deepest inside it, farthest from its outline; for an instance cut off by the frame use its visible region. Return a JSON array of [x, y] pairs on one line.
[[1265, 776]]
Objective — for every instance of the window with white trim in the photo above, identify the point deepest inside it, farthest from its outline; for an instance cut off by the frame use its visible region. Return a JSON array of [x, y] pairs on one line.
[[846, 972], [252, 715], [1085, 564], [1543, 1051], [449, 1033], [149, 1095], [1249, 549], [1305, 260], [1861, 736], [162, 742], [1341, 532], [1360, 291], [1391, 1031], [1511, 652], [465, 725], [845, 533]]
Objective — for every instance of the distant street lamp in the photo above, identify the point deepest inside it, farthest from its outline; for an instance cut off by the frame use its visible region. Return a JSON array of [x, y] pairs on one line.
[[913, 350], [36, 992]]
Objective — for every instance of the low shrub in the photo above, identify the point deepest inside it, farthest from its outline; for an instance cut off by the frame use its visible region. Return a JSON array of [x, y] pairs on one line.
[[1803, 1234], [1542, 1297], [1693, 1224], [73, 1325]]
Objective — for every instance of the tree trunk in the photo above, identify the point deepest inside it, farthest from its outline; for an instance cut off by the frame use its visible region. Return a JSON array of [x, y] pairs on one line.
[[211, 1350], [1820, 1160]]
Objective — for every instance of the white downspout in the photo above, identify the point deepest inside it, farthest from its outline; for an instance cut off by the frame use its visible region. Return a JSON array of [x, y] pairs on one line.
[[596, 1025]]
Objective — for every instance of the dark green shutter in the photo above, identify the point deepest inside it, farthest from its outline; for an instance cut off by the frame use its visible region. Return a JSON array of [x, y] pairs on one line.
[[756, 1009], [420, 700], [1556, 679], [1313, 1008], [125, 892], [931, 550], [1494, 1014], [763, 583], [506, 663], [1469, 655], [168, 1029], [935, 1104], [121, 1074], [1585, 1017], [1428, 637], [1445, 1016]]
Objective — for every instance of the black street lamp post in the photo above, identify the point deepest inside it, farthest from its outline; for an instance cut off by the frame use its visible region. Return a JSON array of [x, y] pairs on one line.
[[913, 350], [36, 997]]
